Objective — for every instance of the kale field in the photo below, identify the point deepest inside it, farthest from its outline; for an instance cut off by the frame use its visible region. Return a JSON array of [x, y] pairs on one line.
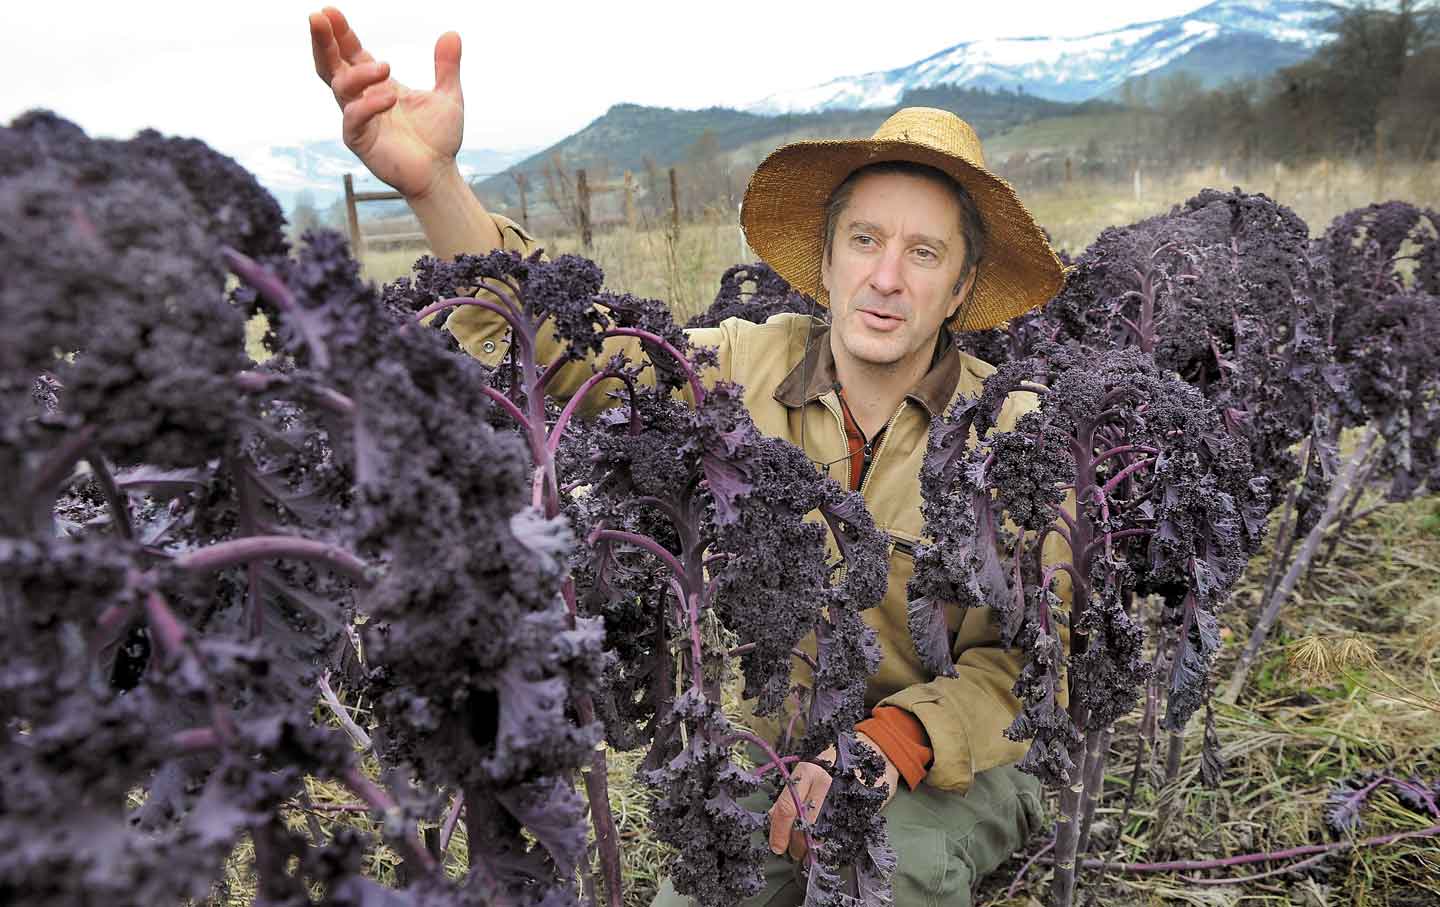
[[304, 605]]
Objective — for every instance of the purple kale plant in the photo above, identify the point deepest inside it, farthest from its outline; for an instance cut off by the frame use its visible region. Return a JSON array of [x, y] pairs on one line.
[[193, 536], [1120, 482], [1382, 263], [753, 292], [696, 550]]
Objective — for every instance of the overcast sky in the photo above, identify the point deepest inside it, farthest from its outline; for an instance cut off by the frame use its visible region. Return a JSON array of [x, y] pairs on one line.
[[239, 74]]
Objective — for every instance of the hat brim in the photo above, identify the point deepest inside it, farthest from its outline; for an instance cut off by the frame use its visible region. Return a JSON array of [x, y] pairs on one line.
[[784, 218]]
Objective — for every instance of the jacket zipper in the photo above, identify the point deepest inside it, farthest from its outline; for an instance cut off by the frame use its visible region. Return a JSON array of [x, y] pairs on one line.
[[844, 438], [866, 472]]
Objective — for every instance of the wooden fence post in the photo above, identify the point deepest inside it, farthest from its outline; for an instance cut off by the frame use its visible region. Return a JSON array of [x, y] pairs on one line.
[[674, 203], [352, 217], [582, 193], [1379, 164], [522, 182], [629, 200], [1069, 171]]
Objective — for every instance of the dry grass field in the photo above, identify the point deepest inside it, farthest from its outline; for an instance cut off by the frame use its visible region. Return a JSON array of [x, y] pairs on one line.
[[1303, 724], [686, 272]]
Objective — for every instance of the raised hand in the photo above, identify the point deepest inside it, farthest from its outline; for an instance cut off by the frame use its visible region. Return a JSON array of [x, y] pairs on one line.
[[407, 138]]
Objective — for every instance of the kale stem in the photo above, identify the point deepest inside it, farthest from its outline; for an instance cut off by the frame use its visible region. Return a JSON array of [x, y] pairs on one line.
[[1268, 857], [1120, 476], [1296, 568], [509, 406], [779, 763], [269, 285], [452, 819], [254, 381], [380, 801], [787, 760], [243, 550], [1015, 883], [552, 444], [119, 506], [597, 794], [647, 543], [55, 468], [695, 387]]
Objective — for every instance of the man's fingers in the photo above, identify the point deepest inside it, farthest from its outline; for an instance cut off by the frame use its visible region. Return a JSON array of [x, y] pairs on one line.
[[359, 112], [353, 82], [782, 818], [447, 64], [324, 48], [350, 49]]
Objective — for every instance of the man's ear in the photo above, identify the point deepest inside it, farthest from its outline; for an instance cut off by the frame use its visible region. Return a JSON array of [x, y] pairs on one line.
[[962, 292], [825, 270]]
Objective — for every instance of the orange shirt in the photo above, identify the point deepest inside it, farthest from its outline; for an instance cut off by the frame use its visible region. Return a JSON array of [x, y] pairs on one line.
[[899, 734]]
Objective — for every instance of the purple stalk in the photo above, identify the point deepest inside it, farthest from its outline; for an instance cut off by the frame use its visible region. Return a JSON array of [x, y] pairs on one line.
[[252, 381], [1015, 883], [165, 626], [1120, 476], [240, 551], [1285, 537], [787, 760], [1255, 877], [646, 542], [695, 387], [1097, 745], [456, 302], [779, 762], [58, 465], [196, 740], [1125, 448], [380, 801], [1268, 857], [271, 287], [1297, 567], [553, 443], [509, 406], [452, 818], [597, 795], [119, 506], [1056, 568]]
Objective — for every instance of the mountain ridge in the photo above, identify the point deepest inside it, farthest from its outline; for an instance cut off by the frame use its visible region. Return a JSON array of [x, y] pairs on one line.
[[1083, 67]]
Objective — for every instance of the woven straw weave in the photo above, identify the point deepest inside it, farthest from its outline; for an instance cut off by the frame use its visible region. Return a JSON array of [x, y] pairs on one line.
[[784, 211]]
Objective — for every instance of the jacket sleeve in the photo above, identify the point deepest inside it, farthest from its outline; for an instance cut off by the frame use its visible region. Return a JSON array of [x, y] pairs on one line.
[[966, 715], [486, 336]]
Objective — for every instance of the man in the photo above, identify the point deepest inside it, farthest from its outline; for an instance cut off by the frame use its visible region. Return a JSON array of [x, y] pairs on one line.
[[905, 237]]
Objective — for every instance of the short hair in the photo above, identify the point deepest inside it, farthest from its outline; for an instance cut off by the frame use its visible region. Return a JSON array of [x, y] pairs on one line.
[[972, 225]]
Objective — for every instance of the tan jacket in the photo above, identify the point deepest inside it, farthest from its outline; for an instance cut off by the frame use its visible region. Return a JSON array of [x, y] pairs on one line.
[[787, 370]]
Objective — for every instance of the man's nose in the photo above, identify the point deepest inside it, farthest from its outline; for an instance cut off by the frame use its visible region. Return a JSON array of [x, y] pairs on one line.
[[885, 278]]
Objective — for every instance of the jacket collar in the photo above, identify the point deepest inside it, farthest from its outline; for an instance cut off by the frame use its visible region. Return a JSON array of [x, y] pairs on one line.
[[814, 375]]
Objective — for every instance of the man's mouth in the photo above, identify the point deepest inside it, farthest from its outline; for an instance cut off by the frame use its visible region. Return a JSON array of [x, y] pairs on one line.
[[880, 320]]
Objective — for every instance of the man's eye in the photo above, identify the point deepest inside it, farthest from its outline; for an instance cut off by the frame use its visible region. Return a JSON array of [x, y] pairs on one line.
[[926, 254], [862, 239]]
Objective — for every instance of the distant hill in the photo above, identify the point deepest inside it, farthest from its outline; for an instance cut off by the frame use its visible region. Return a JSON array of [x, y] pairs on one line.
[[627, 134], [1227, 58]]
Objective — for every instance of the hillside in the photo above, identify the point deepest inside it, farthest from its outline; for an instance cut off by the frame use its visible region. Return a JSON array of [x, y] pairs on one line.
[[628, 134]]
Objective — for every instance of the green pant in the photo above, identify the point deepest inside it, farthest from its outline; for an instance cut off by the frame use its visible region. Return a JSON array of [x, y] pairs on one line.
[[945, 842]]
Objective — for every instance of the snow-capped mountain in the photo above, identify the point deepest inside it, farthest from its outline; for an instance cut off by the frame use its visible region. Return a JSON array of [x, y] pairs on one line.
[[1267, 34], [320, 167]]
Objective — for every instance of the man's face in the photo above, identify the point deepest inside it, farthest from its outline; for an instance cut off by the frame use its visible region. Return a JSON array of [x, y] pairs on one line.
[[892, 269]]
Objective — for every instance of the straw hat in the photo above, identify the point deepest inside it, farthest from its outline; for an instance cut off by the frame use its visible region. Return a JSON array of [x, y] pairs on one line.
[[784, 211]]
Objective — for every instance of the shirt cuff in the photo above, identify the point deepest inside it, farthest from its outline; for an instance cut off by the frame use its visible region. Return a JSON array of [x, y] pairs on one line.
[[902, 738]]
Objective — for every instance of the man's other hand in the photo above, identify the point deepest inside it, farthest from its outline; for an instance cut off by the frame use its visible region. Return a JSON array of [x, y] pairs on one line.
[[407, 138], [812, 784]]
